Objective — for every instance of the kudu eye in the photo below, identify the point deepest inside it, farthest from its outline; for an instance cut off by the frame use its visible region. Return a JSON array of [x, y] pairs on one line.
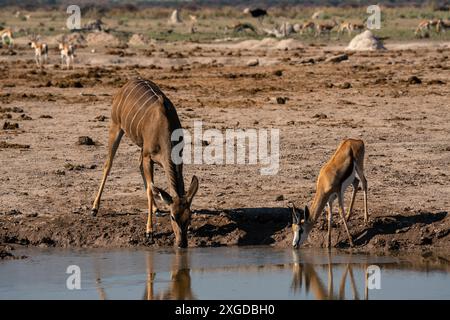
[[172, 217]]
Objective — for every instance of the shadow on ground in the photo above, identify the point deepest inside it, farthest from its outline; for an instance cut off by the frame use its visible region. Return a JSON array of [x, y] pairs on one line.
[[258, 225], [396, 224]]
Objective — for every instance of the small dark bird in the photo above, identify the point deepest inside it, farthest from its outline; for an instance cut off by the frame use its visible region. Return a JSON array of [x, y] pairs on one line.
[[256, 13]]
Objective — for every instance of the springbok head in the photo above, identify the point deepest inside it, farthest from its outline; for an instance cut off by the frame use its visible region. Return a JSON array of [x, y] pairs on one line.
[[301, 225], [33, 40]]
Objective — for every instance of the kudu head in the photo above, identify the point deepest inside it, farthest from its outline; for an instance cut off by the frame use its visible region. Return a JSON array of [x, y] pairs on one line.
[[301, 225], [180, 210]]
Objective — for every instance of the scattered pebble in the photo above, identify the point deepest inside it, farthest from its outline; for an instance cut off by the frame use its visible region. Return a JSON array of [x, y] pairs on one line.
[[253, 63], [6, 145], [100, 118], [23, 116], [278, 73], [345, 85], [86, 141], [337, 59], [10, 125], [320, 116], [414, 80], [281, 100]]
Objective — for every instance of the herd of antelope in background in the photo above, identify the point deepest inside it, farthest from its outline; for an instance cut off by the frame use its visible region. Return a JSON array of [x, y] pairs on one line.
[[426, 26], [67, 50]]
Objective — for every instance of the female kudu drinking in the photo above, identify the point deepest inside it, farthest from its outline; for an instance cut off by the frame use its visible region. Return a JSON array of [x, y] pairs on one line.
[[148, 118]]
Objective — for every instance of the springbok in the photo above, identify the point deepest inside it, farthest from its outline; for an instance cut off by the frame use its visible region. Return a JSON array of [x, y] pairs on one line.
[[7, 34], [325, 27], [349, 27], [345, 26], [142, 111], [40, 51], [345, 167], [423, 28], [357, 26], [67, 54], [442, 26], [307, 26]]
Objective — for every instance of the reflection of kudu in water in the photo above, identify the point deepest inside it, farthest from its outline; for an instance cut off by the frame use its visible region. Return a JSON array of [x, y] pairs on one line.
[[306, 272], [180, 282]]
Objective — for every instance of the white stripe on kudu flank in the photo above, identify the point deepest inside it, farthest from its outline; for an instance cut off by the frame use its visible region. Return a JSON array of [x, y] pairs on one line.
[[143, 116], [121, 99], [125, 101], [132, 108], [135, 115]]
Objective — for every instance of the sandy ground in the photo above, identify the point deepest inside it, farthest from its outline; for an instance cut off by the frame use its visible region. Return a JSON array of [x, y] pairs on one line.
[[48, 181]]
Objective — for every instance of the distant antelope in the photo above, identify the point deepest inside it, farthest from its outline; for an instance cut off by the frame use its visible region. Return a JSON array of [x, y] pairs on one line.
[[40, 51], [7, 34], [357, 26], [345, 167], [349, 27], [308, 26], [67, 54], [325, 27], [345, 26], [142, 111], [193, 23], [442, 26], [423, 28]]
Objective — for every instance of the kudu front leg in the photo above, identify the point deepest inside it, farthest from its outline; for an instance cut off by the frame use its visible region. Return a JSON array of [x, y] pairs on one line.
[[148, 166], [115, 135]]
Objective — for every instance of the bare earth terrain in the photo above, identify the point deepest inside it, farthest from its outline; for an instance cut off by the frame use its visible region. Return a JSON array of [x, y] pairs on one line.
[[396, 100]]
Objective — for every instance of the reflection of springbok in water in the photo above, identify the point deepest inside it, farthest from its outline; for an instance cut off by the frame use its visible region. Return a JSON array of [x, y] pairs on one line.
[[305, 272], [180, 280]]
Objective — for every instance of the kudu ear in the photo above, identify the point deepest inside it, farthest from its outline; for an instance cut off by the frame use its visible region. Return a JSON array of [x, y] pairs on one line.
[[192, 189], [306, 214], [161, 194]]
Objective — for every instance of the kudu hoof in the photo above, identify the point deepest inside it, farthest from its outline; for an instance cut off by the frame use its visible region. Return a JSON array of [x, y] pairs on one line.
[[94, 212]]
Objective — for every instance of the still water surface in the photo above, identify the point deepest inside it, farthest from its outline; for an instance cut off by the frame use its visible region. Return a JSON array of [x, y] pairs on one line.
[[221, 273]]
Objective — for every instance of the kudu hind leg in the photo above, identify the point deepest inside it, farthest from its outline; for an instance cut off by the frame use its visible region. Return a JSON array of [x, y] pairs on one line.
[[115, 135]]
